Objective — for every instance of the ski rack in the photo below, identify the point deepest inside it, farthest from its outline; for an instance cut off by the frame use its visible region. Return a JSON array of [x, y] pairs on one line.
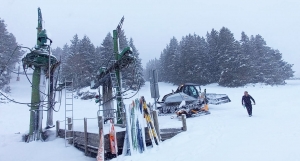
[[69, 126]]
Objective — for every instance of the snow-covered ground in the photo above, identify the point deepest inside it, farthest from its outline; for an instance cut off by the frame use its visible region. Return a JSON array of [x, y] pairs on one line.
[[272, 134]]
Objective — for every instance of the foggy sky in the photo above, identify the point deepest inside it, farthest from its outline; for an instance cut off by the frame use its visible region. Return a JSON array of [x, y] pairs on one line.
[[152, 23]]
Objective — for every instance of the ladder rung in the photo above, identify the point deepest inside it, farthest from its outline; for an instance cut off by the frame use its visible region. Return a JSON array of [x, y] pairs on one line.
[[69, 104], [69, 123], [69, 130], [69, 110], [69, 98]]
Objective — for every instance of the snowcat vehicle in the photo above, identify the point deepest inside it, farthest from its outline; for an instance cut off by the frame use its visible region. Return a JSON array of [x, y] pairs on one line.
[[189, 97]]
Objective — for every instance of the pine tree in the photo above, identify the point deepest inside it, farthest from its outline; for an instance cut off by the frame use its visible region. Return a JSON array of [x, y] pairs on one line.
[[162, 66], [136, 68], [57, 52], [9, 54], [106, 51], [89, 61], [221, 59], [70, 62], [269, 66], [64, 67], [213, 67], [171, 60], [123, 42], [227, 58], [187, 60], [202, 66], [150, 66], [79, 61]]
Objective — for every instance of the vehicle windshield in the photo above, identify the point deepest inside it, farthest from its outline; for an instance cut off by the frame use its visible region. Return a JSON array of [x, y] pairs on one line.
[[191, 91]]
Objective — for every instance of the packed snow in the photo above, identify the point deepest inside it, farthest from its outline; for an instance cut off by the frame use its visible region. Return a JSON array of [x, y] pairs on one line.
[[271, 134]]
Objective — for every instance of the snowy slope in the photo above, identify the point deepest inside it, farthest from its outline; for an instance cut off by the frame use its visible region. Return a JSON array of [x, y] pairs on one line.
[[227, 134]]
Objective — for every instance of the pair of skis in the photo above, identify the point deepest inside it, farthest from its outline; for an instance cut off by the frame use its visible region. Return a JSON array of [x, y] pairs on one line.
[[151, 129], [138, 140], [112, 141], [134, 138]]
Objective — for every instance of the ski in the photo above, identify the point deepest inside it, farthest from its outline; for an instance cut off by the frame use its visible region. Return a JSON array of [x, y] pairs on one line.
[[139, 137], [127, 141], [113, 139], [139, 129], [141, 133], [100, 154], [133, 127], [151, 128]]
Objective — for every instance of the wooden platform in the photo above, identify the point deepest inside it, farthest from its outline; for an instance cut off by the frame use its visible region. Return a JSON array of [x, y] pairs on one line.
[[91, 143]]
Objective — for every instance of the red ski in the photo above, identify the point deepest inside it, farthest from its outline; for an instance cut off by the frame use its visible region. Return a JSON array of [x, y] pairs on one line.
[[113, 139], [100, 155]]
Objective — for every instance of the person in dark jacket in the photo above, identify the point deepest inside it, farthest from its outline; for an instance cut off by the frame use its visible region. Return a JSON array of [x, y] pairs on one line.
[[246, 101]]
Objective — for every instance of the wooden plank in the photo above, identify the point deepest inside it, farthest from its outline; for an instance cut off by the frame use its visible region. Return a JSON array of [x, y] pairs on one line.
[[93, 139], [183, 118], [123, 114], [57, 128], [169, 130], [85, 136], [156, 124]]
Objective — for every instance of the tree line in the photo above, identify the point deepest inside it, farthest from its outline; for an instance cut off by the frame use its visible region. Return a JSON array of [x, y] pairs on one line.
[[10, 54], [81, 60], [216, 58], [220, 58]]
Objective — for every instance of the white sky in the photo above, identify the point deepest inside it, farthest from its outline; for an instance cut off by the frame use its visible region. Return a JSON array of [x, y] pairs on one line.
[[152, 23]]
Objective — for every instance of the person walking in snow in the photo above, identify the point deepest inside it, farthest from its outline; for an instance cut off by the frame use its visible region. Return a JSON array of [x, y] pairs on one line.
[[246, 101]]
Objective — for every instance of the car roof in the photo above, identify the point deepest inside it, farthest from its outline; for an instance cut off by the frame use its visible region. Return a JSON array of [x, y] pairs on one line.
[[191, 84]]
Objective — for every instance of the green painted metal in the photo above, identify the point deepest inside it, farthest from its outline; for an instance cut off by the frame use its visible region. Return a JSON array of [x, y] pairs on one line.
[[41, 33], [123, 59], [40, 24], [35, 100], [118, 75], [39, 59]]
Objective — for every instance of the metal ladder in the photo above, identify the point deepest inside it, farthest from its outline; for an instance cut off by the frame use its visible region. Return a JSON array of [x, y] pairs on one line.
[[114, 80], [69, 131], [116, 85]]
